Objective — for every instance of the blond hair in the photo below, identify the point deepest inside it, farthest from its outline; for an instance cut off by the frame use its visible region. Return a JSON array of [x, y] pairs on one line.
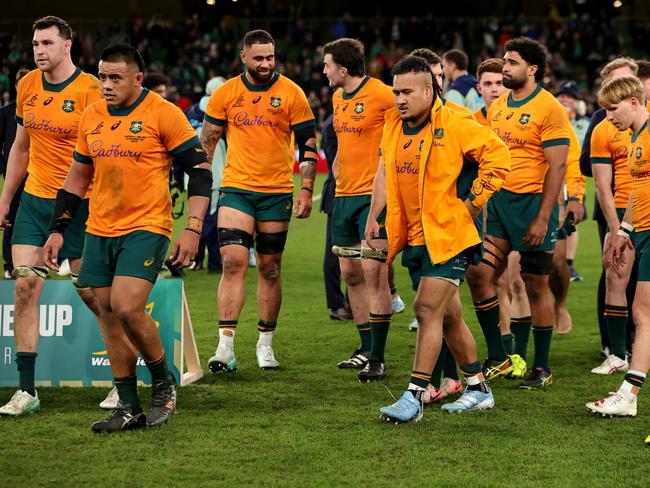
[[615, 91], [622, 62]]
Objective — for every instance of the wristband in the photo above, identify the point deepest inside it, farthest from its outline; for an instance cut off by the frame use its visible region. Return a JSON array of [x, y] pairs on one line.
[[194, 224], [308, 189], [625, 229]]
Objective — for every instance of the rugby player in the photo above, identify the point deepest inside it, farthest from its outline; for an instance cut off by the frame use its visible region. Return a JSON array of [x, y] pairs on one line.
[[623, 100], [129, 138], [359, 103], [428, 222], [49, 104], [609, 165], [259, 110], [523, 215]]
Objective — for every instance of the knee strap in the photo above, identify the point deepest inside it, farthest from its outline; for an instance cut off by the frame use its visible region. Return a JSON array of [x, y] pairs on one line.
[[270, 242], [30, 272], [536, 262], [376, 254], [347, 252], [229, 235]]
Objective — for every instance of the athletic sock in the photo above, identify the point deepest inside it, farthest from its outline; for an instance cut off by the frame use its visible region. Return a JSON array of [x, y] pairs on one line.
[[263, 326], [436, 375], [474, 377], [158, 369], [450, 369], [127, 389], [632, 383], [569, 262], [227, 329], [520, 327], [266, 330], [26, 364], [508, 343], [616, 319], [366, 338], [542, 337], [418, 383], [487, 313], [379, 325]]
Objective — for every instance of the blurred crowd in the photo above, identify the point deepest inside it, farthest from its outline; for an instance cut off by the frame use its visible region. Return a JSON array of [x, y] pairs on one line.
[[197, 48]]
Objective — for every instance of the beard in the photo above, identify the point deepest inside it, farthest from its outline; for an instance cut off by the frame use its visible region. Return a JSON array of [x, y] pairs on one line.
[[260, 78], [514, 83]]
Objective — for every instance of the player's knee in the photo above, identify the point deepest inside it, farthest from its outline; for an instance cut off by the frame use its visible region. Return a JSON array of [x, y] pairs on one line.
[[269, 271], [479, 278], [234, 263], [352, 275], [270, 242], [423, 310], [230, 236], [39, 272], [126, 313], [535, 285]]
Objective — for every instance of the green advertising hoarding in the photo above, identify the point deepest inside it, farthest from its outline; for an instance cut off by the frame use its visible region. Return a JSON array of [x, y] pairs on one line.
[[71, 351]]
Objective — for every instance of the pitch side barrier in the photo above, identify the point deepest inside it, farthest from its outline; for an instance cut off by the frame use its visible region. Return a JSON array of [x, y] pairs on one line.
[[71, 351]]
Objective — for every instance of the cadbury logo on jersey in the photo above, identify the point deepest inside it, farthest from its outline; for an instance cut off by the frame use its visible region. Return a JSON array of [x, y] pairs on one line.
[[97, 150], [30, 122], [48, 100], [68, 106], [242, 119]]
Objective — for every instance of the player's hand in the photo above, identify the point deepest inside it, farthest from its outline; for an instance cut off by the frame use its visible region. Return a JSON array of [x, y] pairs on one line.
[[371, 232], [4, 211], [577, 209], [51, 250], [615, 250], [536, 232], [185, 249], [302, 206], [473, 211]]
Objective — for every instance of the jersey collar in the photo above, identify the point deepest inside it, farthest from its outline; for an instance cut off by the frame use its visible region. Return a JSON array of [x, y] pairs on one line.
[[636, 135], [260, 88], [348, 96], [120, 112], [59, 87], [411, 131], [518, 103]]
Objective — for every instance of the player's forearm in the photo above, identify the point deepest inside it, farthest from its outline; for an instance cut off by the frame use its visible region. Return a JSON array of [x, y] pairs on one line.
[[308, 165], [210, 135], [607, 203], [16, 172], [378, 200], [551, 190]]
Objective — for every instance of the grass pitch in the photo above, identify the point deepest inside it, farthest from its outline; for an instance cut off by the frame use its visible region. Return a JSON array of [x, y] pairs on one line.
[[310, 424]]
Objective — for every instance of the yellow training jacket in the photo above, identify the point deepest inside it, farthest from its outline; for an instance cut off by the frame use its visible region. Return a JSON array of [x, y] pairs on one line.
[[452, 138]]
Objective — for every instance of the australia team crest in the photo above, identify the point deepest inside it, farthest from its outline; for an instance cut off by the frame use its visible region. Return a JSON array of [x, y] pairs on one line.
[[276, 102], [639, 152], [524, 119], [136, 126], [358, 107], [68, 106]]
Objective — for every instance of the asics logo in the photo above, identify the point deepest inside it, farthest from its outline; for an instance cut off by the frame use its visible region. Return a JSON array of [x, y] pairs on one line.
[[116, 125], [406, 146], [257, 99], [48, 100]]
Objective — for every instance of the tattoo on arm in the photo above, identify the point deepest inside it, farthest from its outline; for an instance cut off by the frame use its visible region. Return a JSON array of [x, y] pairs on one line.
[[210, 135]]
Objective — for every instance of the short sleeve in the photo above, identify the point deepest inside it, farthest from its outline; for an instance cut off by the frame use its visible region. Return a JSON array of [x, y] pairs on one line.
[[387, 98], [176, 132], [599, 152], [215, 112], [81, 152], [300, 114], [94, 92], [555, 129]]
